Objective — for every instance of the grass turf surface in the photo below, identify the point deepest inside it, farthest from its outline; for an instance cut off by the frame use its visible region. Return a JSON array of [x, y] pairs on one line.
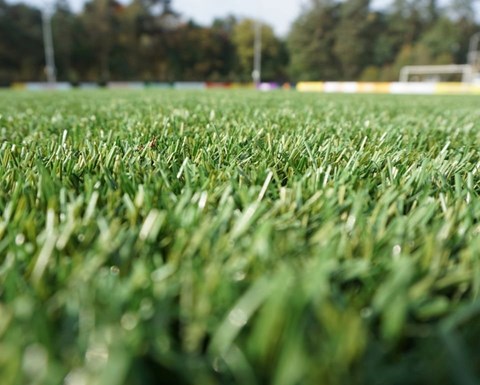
[[239, 238]]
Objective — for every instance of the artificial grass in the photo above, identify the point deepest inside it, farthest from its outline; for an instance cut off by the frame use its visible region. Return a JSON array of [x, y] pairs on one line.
[[164, 237]]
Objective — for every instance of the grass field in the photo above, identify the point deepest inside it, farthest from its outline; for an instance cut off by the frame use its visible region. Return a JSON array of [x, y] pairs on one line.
[[239, 238]]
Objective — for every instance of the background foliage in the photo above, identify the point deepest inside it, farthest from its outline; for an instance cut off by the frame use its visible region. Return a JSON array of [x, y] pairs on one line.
[[330, 40]]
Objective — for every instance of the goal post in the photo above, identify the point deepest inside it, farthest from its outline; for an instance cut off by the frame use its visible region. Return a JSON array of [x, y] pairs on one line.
[[470, 72], [473, 52], [466, 70]]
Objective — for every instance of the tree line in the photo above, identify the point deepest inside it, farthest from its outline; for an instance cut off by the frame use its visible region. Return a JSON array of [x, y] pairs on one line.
[[330, 40]]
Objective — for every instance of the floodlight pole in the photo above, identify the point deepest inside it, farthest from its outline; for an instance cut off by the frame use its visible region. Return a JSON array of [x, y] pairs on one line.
[[48, 45], [473, 49], [257, 57]]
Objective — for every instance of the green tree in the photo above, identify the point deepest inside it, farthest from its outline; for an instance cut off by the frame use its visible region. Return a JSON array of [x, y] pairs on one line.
[[21, 46], [442, 41], [223, 28], [352, 37], [63, 27], [311, 42], [463, 10], [403, 37], [463, 13], [100, 19], [330, 40], [273, 62]]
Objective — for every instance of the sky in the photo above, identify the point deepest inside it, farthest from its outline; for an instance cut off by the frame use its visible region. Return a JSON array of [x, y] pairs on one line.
[[278, 13]]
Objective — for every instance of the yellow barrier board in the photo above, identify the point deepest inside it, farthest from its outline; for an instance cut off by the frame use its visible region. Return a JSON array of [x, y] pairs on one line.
[[18, 86], [390, 88], [453, 88], [311, 86], [475, 89], [374, 88], [382, 88]]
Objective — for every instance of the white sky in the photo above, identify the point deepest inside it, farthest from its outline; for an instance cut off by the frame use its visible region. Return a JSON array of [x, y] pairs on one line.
[[278, 13]]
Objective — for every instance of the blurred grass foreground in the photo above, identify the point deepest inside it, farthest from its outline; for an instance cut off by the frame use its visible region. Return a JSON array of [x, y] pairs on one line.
[[160, 237]]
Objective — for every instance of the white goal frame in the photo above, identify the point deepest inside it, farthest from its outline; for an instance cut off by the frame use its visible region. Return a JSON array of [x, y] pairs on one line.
[[470, 72], [466, 70]]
